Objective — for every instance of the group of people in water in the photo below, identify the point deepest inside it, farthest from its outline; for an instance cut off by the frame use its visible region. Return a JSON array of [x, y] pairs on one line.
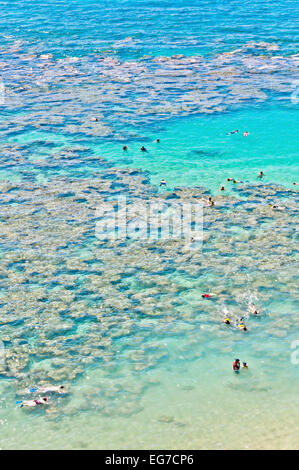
[[40, 400], [245, 133], [239, 324], [237, 366], [142, 148]]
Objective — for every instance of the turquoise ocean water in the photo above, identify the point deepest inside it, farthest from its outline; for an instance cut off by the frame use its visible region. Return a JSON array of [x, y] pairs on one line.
[[145, 360]]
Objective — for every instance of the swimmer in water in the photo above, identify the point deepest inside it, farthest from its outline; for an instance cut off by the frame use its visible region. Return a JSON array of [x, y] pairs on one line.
[[31, 403], [241, 326], [208, 296], [163, 183], [230, 179], [261, 174], [50, 388], [252, 309], [143, 149], [125, 148], [245, 133], [157, 141], [226, 321], [233, 132], [295, 184], [222, 188], [211, 202], [236, 366], [279, 208], [244, 365]]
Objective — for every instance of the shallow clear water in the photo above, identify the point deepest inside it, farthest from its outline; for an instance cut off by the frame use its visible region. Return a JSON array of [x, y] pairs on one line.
[[146, 361]]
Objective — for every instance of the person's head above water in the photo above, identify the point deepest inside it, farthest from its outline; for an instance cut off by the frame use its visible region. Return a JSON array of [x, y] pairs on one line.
[[125, 147]]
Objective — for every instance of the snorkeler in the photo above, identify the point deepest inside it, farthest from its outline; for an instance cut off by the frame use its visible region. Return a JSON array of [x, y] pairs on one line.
[[279, 208], [209, 296], [50, 388], [233, 132], [241, 326], [163, 182], [252, 309], [236, 366], [31, 403]]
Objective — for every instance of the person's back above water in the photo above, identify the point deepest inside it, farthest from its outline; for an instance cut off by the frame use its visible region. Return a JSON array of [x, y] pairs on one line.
[[36, 402], [46, 389], [252, 309], [52, 388]]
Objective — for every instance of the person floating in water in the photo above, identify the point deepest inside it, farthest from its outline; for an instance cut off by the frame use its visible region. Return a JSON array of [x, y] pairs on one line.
[[31, 403], [233, 132], [240, 325], [49, 388], [246, 133], [211, 202], [143, 149], [295, 184], [157, 141], [244, 365], [279, 208], [208, 296], [230, 179], [226, 320], [261, 174], [125, 148], [222, 188], [252, 309], [236, 366], [163, 182]]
